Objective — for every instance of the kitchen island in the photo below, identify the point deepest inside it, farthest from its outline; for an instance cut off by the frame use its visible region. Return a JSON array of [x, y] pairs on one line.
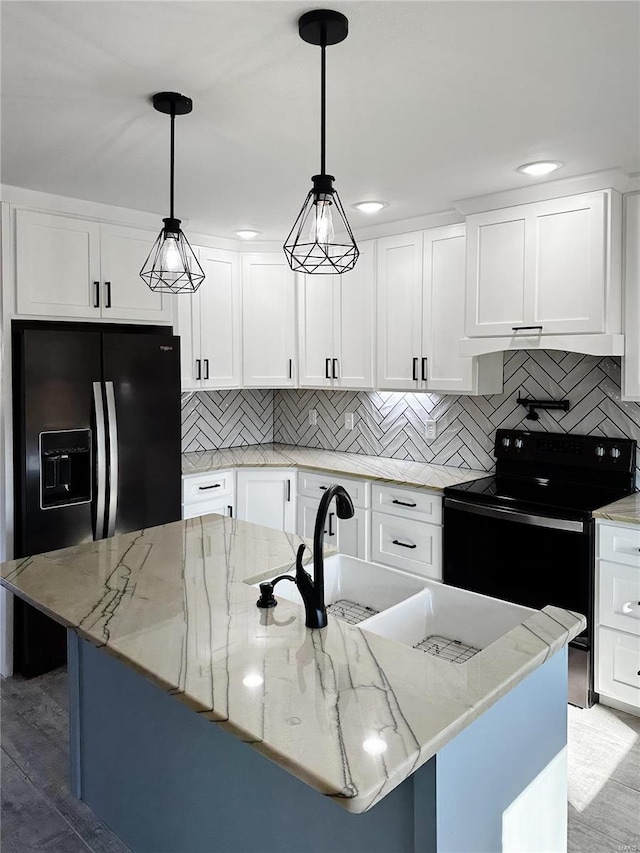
[[410, 752]]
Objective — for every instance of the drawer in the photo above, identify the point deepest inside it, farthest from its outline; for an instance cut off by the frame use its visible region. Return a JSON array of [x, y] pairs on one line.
[[206, 487], [619, 544], [405, 543], [618, 666], [312, 485], [198, 508], [619, 597], [409, 503]]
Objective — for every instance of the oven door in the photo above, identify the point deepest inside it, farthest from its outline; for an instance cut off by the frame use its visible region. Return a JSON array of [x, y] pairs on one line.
[[529, 559]]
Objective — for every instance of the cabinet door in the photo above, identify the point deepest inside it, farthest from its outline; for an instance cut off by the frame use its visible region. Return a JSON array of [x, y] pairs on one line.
[[268, 321], [399, 311], [187, 326], [267, 497], [347, 535], [354, 322], [57, 265], [565, 265], [220, 324], [125, 296], [495, 300], [315, 326], [631, 361]]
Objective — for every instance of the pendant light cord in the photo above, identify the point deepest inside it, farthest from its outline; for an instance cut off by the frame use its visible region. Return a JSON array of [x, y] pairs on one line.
[[323, 98], [173, 143]]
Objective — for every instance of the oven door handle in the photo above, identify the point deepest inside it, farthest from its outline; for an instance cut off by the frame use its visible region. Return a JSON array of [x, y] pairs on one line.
[[518, 517]]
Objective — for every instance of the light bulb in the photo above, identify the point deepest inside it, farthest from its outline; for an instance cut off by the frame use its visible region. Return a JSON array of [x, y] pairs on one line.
[[169, 258], [322, 222]]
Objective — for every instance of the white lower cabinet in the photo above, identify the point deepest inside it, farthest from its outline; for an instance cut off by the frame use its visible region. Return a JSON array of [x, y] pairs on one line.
[[405, 543], [206, 493], [617, 636], [346, 535], [267, 496]]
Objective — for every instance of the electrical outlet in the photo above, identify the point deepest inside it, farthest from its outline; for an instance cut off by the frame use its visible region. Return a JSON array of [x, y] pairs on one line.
[[431, 430], [313, 417], [348, 420]]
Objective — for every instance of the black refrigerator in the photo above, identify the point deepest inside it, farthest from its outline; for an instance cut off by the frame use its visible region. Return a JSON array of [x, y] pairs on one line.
[[96, 448]]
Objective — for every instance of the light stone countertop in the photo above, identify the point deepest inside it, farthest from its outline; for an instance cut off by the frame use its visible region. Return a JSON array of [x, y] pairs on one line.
[[170, 602], [396, 471], [626, 510]]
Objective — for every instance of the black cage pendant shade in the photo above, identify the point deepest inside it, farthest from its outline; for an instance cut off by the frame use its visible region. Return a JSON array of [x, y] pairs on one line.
[[172, 266], [321, 240]]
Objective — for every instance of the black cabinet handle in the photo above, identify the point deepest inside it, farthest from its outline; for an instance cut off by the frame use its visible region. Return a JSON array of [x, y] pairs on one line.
[[230, 508], [335, 368], [206, 488], [107, 287], [402, 503], [288, 490], [415, 370], [198, 371], [331, 514], [327, 367], [522, 328], [96, 295], [324, 488], [206, 368], [290, 368], [424, 369], [403, 544]]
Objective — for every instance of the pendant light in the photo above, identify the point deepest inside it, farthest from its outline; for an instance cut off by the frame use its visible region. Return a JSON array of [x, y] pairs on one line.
[[321, 240], [172, 266]]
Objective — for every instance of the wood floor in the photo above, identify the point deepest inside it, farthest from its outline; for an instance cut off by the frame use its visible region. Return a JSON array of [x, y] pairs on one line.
[[39, 813]]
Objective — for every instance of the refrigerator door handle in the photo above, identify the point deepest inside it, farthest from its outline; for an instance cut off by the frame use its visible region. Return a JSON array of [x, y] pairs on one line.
[[101, 461], [112, 505]]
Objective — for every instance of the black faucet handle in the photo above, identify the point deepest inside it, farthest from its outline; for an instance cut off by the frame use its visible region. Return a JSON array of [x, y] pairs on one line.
[[299, 555]]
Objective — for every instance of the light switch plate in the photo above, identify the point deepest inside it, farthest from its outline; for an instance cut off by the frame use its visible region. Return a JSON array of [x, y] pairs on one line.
[[348, 420], [313, 417], [431, 430]]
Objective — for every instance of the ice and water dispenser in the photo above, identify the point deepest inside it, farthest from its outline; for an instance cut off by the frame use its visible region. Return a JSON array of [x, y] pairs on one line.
[[65, 467]]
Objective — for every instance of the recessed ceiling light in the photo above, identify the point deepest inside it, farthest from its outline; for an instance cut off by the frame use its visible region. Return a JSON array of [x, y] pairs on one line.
[[370, 206], [540, 167], [246, 234]]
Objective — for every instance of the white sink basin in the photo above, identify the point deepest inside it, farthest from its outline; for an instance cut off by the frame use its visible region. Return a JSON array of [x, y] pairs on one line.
[[449, 622], [367, 585]]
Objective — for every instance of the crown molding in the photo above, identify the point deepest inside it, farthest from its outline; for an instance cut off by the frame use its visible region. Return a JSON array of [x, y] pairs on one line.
[[616, 179]]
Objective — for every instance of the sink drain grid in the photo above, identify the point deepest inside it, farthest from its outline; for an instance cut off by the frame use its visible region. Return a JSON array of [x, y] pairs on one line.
[[451, 650], [350, 611]]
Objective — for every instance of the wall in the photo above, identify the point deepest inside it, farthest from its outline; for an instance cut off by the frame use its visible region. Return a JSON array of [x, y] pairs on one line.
[[393, 424], [214, 419]]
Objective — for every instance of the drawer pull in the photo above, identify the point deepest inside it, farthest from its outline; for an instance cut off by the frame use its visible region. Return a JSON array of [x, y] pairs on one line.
[[403, 544], [523, 328], [403, 503], [324, 488], [206, 488]]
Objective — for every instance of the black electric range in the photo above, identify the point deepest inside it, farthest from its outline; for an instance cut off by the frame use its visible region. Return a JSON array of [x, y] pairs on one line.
[[527, 534]]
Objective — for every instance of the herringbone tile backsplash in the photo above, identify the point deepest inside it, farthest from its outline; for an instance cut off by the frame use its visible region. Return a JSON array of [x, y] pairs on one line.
[[393, 424], [214, 419]]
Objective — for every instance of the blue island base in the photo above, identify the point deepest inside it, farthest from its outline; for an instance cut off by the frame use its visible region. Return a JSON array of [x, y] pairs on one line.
[[167, 780]]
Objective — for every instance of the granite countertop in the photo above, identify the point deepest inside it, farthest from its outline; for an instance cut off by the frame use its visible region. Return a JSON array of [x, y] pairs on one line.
[[396, 471], [171, 603], [626, 510]]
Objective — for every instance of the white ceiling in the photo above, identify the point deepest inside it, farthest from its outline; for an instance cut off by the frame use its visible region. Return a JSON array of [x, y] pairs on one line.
[[428, 102]]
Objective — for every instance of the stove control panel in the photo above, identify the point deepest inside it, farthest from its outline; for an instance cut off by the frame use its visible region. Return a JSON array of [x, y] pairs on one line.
[[583, 451]]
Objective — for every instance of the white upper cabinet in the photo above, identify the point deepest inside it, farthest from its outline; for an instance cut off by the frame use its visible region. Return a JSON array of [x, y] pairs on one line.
[[444, 268], [546, 268], [123, 252], [421, 285], [75, 268], [57, 265], [209, 324], [335, 324], [400, 311], [268, 321], [631, 362]]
